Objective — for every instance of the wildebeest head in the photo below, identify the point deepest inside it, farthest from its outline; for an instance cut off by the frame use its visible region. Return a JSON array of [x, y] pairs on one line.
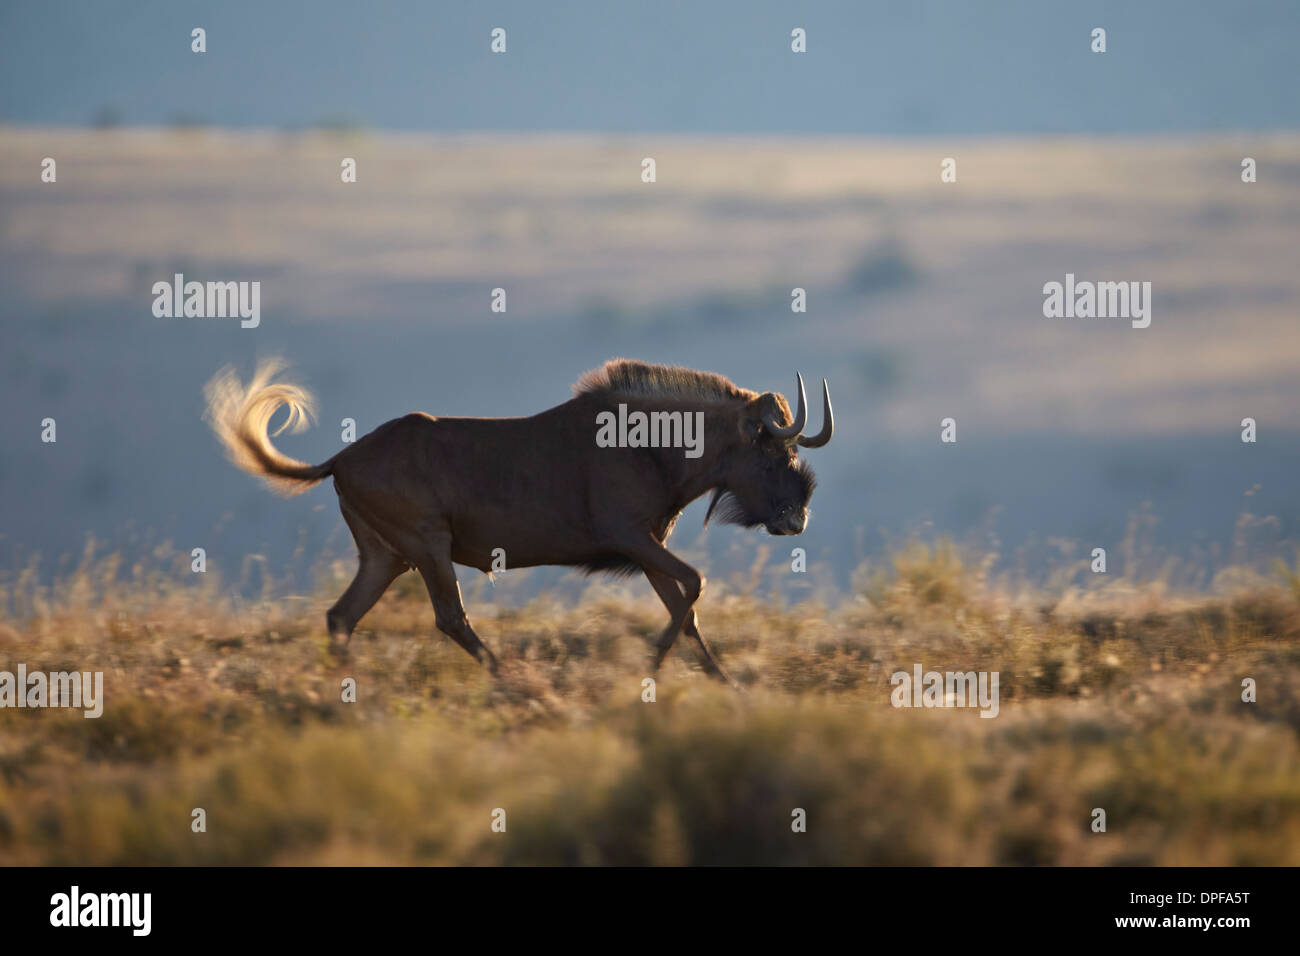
[[766, 483]]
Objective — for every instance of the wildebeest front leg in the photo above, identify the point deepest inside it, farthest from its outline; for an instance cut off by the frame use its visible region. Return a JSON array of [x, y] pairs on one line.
[[671, 595], [439, 576], [654, 558]]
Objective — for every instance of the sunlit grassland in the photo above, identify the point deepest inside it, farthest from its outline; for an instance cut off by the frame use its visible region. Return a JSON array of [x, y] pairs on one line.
[[1122, 698]]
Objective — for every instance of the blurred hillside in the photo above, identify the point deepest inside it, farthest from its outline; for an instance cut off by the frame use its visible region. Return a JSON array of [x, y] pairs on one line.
[[924, 301]]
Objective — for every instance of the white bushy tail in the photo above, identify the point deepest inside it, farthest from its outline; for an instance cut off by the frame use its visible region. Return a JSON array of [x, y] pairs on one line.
[[241, 416]]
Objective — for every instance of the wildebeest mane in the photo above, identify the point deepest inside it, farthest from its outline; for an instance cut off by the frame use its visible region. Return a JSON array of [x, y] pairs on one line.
[[631, 378]]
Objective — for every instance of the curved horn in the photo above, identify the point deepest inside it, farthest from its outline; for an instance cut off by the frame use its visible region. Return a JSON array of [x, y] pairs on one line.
[[828, 422], [789, 432]]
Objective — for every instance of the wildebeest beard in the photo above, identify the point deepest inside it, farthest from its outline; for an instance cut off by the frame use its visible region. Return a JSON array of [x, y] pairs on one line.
[[729, 509]]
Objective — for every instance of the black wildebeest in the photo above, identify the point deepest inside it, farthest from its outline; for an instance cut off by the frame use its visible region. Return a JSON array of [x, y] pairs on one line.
[[423, 492]]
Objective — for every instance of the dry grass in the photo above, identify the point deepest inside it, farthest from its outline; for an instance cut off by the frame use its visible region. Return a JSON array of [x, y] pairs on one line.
[[1130, 702]]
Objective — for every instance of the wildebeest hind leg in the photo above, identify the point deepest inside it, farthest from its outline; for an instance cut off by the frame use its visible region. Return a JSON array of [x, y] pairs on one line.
[[439, 576], [377, 568]]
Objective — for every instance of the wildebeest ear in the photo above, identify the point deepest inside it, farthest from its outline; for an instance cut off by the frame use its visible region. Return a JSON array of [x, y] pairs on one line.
[[768, 404], [751, 419]]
